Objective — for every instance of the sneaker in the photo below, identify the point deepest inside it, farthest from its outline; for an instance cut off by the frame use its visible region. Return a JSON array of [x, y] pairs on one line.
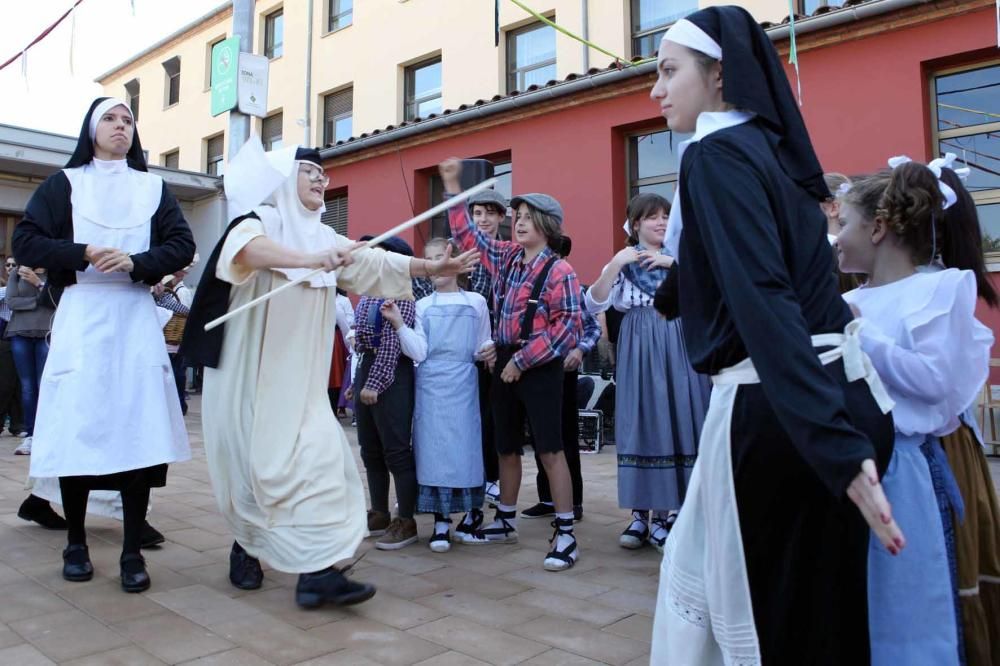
[[561, 560], [401, 533], [470, 522], [501, 530], [540, 510], [440, 542], [636, 534], [378, 522], [330, 586], [151, 537], [492, 491], [25, 448], [36, 510]]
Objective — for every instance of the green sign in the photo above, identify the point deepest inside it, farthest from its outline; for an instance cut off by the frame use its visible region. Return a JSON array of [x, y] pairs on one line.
[[225, 70]]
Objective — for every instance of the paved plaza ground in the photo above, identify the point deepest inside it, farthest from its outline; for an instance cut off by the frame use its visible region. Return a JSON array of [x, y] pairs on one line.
[[473, 605]]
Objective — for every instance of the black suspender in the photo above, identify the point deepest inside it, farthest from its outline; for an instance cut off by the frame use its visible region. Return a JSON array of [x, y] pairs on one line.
[[528, 318]]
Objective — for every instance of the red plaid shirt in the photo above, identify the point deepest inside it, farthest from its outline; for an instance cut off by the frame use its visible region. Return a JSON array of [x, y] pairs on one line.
[[557, 319]]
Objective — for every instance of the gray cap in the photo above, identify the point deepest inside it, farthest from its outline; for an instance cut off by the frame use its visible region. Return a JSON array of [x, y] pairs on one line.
[[488, 196], [541, 202]]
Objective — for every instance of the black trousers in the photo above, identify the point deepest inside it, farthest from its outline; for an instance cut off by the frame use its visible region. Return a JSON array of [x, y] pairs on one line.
[[177, 364], [10, 390], [535, 398], [571, 444], [384, 431], [491, 461]]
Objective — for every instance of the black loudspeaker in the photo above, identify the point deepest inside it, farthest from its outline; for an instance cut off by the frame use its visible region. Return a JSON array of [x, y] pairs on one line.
[[475, 172]]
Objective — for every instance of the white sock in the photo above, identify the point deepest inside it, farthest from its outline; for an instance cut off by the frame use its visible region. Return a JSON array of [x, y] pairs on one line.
[[512, 521], [564, 540], [470, 517], [441, 528], [548, 503]]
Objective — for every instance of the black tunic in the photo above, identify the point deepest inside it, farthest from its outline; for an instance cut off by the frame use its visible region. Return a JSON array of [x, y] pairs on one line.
[[44, 238], [755, 278]]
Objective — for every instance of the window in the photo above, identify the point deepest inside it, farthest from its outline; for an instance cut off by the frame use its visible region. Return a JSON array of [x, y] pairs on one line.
[[172, 69], [172, 159], [653, 164], [809, 7], [336, 212], [650, 19], [340, 14], [338, 113], [274, 34], [531, 56], [132, 97], [422, 89], [270, 132], [502, 171], [214, 166], [208, 60], [967, 123]]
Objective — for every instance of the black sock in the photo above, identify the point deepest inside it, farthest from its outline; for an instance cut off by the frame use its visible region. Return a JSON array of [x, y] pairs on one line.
[[74, 499], [135, 501]]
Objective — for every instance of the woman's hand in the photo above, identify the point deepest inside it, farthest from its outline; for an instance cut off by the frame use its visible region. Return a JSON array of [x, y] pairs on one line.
[[448, 266], [510, 373], [625, 257], [333, 258], [451, 171], [390, 311], [650, 260], [114, 261], [866, 492], [488, 355], [29, 276]]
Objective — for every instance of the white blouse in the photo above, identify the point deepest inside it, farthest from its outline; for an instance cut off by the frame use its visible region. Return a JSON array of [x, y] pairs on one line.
[[413, 341], [927, 345], [623, 296]]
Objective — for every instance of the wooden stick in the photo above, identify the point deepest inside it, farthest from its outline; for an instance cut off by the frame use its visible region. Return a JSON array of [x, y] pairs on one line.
[[426, 215]]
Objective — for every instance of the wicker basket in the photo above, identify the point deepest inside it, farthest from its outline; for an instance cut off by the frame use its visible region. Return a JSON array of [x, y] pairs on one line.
[[174, 330]]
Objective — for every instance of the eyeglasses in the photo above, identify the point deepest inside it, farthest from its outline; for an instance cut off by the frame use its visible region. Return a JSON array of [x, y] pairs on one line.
[[315, 175], [11, 264]]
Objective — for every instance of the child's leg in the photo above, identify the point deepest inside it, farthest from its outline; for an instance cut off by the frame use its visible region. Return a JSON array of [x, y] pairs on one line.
[[394, 419], [559, 479], [371, 448]]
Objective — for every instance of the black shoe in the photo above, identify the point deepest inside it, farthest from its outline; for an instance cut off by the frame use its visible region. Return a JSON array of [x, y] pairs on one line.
[[577, 513], [540, 510], [150, 537], [244, 571], [134, 576], [330, 586], [36, 510], [76, 563]]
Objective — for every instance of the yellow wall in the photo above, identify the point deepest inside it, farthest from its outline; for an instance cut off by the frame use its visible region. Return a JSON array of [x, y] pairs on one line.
[[370, 55]]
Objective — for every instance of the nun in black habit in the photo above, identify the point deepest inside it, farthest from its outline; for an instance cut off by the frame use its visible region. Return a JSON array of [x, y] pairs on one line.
[[767, 561], [108, 413]]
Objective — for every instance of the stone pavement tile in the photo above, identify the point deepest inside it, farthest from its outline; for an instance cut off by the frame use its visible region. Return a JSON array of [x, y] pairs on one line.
[[68, 634], [557, 582], [8, 638], [639, 580], [27, 599], [38, 534], [580, 638], [483, 560], [405, 586], [378, 642], [340, 658], [216, 576], [203, 605], [21, 553], [555, 657], [533, 558], [104, 600], [558, 605], [395, 612], [24, 655], [166, 523], [487, 612], [280, 603], [237, 657], [273, 640], [9, 574], [452, 659], [212, 522], [629, 600], [467, 581], [639, 627], [641, 661], [126, 656], [178, 556], [199, 539], [413, 560], [172, 638], [490, 645]]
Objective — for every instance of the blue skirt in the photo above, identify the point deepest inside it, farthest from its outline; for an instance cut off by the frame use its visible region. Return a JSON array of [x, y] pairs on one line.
[[435, 499], [911, 598]]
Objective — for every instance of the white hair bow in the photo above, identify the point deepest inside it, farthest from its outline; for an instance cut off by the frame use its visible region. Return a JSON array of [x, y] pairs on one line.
[[843, 189], [627, 227], [948, 162], [949, 194]]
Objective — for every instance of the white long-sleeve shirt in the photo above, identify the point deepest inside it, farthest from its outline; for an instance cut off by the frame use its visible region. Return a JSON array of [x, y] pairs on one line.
[[413, 341]]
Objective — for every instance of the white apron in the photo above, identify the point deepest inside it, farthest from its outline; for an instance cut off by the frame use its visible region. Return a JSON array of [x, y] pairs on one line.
[[447, 443], [108, 402], [704, 616]]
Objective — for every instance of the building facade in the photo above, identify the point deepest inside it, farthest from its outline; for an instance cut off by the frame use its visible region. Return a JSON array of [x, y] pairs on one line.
[[378, 63]]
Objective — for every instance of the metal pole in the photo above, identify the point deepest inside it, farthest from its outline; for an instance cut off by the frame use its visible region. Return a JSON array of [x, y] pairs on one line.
[[307, 140], [239, 123], [584, 12]]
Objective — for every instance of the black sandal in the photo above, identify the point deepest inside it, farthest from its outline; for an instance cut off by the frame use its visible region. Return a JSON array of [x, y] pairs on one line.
[[634, 539], [561, 560], [505, 533]]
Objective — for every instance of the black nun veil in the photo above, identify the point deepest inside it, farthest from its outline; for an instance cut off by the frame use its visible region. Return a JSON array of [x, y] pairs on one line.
[[84, 152]]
